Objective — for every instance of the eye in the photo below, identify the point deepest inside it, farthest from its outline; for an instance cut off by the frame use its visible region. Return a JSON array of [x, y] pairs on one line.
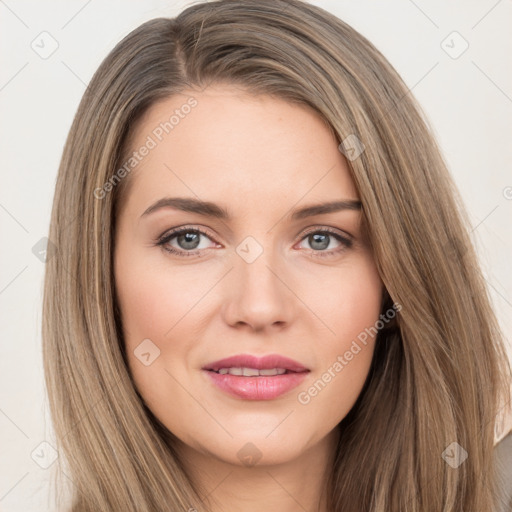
[[321, 239], [188, 241]]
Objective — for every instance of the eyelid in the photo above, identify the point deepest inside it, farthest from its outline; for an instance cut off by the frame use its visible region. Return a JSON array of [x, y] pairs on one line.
[[321, 228], [346, 240], [181, 229], [303, 233]]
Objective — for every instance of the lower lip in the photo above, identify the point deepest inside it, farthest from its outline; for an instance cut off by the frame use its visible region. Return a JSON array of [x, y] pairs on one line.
[[257, 388]]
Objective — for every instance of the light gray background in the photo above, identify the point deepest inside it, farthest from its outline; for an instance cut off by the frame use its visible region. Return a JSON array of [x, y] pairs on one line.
[[467, 99]]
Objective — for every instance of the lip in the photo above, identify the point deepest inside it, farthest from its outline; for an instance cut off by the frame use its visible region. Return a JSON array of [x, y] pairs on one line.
[[257, 388], [258, 363]]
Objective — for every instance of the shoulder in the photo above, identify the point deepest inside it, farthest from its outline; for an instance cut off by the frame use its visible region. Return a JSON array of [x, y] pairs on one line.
[[503, 425], [503, 459]]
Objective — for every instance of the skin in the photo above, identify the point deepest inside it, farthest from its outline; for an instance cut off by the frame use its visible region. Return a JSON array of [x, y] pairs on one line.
[[260, 158]]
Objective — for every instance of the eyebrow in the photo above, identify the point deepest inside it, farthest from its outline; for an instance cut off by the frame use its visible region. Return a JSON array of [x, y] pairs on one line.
[[209, 209]]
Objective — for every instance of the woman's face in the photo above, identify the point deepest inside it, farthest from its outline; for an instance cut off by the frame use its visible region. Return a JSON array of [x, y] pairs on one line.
[[264, 280]]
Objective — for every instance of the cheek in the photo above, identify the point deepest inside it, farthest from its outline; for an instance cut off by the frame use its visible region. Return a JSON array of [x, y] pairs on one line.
[[165, 307], [153, 307], [348, 301], [351, 313], [152, 300]]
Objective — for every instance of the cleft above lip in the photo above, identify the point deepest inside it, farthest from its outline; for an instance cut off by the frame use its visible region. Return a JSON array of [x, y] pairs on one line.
[[258, 363]]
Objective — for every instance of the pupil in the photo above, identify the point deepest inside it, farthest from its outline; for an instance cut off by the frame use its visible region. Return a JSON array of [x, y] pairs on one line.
[[322, 239], [188, 240]]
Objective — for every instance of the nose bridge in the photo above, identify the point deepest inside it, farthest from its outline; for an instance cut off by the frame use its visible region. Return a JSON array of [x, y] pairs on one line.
[[256, 267], [258, 295]]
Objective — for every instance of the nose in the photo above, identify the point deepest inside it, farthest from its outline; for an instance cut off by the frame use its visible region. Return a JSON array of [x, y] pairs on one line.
[[258, 295]]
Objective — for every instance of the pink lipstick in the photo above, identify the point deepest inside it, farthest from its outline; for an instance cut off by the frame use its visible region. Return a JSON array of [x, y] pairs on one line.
[[256, 378]]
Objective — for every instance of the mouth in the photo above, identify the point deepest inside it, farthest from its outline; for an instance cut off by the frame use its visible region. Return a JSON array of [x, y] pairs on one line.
[[252, 372], [250, 364], [256, 378]]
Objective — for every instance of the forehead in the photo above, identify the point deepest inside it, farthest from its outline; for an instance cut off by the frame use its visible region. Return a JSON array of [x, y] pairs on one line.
[[226, 143]]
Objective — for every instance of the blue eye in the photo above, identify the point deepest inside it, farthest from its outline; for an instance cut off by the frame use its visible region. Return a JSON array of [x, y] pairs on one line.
[[320, 240], [188, 241]]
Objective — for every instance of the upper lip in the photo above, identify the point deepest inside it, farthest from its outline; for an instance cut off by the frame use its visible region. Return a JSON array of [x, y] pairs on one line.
[[258, 363]]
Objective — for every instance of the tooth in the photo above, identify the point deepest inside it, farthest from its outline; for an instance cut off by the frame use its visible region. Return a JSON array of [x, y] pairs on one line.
[[271, 371], [250, 372]]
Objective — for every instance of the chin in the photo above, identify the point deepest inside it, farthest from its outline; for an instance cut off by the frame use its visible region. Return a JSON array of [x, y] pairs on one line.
[[251, 448]]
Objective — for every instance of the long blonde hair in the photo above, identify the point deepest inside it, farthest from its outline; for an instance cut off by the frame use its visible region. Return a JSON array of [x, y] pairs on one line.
[[437, 376]]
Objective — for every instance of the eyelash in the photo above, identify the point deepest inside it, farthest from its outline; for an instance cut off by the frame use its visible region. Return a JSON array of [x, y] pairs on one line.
[[168, 236]]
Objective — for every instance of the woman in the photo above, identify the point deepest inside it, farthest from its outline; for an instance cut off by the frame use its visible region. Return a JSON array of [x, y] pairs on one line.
[[265, 295]]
